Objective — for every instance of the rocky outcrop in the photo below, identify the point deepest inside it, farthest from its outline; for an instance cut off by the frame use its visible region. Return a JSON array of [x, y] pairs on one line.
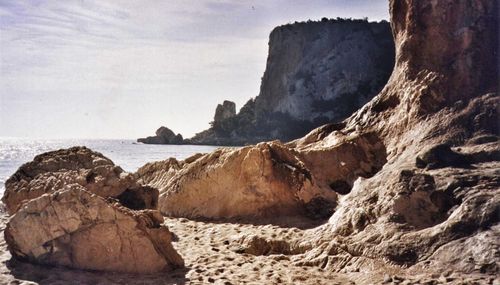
[[316, 73], [413, 175], [410, 181], [74, 207], [164, 135], [438, 190], [77, 165], [75, 228], [224, 111], [191, 189], [263, 180]]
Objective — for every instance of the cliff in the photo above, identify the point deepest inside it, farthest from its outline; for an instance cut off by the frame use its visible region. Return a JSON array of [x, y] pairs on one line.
[[406, 190], [316, 73], [323, 71], [409, 181]]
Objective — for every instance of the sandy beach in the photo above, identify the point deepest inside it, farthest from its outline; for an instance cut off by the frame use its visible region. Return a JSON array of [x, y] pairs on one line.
[[211, 254]]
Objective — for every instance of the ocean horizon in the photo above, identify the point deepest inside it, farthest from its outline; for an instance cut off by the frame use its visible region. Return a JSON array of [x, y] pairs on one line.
[[126, 153]]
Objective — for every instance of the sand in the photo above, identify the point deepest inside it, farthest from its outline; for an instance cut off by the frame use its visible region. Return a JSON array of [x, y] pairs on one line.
[[210, 251]]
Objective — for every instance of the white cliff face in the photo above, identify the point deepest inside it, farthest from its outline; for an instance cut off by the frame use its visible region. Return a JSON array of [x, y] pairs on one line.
[[325, 69]]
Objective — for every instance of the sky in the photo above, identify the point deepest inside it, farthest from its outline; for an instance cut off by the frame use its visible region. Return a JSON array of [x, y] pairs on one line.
[[120, 69]]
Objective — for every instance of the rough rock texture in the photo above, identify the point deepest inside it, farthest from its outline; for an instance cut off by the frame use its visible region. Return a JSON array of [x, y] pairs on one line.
[[421, 159], [439, 189], [51, 171], [164, 135], [224, 111], [78, 229], [316, 73], [412, 177], [312, 67], [267, 179], [262, 180]]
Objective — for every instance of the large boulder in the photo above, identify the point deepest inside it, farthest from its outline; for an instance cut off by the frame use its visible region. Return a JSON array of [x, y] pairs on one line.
[[75, 228], [263, 180], [53, 170]]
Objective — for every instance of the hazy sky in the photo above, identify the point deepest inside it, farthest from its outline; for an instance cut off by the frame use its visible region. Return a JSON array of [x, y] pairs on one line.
[[120, 69]]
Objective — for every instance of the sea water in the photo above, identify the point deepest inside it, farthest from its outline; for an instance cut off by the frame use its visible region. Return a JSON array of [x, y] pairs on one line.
[[125, 153]]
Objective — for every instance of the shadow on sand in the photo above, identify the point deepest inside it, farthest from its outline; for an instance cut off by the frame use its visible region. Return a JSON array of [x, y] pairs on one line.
[[300, 222], [45, 275]]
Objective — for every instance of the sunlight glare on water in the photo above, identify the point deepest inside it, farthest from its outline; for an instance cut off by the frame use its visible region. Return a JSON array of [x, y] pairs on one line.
[[125, 153]]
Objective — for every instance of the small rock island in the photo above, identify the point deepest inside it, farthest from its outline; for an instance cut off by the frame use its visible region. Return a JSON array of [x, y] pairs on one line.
[[164, 135]]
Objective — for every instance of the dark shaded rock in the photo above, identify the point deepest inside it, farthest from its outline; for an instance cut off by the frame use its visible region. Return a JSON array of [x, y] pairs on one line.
[[225, 111], [164, 135], [440, 156], [483, 139], [152, 140], [316, 73], [319, 208], [341, 187], [143, 197]]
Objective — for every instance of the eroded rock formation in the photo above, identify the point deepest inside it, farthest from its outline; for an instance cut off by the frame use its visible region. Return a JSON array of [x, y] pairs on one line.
[[440, 185], [74, 207], [224, 111], [412, 179], [413, 175], [51, 171], [75, 228], [266, 179], [316, 73], [262, 180]]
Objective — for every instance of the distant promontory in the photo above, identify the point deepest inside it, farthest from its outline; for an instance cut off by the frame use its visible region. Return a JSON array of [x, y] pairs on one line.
[[316, 73]]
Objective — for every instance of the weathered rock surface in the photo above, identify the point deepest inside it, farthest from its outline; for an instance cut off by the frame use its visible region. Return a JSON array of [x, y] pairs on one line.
[[414, 173], [325, 69], [263, 180], [266, 179], [439, 189], [51, 171], [225, 111], [412, 179], [74, 207], [75, 228], [164, 135], [316, 73]]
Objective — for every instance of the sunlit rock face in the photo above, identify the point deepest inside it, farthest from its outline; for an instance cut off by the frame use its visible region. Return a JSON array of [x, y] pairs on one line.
[[51, 171], [73, 207], [75, 228], [263, 180], [414, 173]]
